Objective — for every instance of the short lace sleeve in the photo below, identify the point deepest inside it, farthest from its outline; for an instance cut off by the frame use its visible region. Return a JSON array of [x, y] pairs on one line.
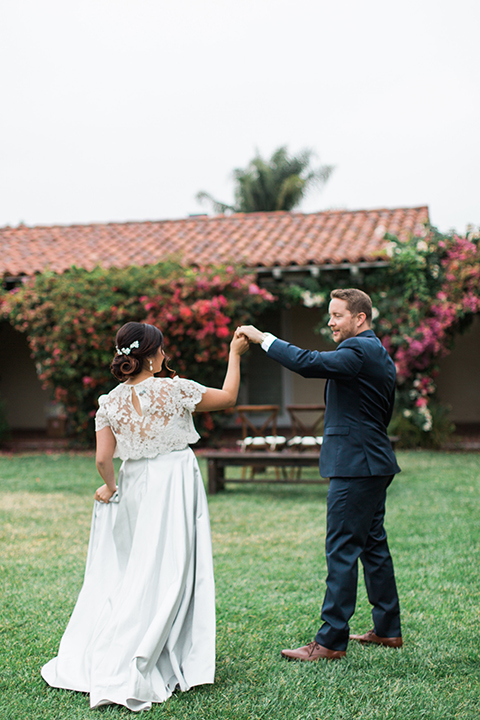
[[191, 393], [101, 418]]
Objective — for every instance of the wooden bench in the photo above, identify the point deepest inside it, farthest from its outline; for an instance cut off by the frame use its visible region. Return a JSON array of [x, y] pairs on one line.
[[218, 460]]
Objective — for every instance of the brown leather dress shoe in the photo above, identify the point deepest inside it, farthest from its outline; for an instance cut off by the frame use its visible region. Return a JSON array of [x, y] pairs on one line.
[[370, 637], [313, 651]]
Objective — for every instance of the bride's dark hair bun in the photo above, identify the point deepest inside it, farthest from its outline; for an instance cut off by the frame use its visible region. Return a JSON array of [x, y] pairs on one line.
[[134, 343], [126, 367]]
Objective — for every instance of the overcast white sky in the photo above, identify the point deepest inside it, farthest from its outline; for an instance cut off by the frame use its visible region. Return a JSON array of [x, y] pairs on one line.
[[116, 110]]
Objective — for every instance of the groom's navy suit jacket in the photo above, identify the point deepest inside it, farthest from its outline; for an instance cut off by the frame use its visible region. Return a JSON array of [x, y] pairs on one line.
[[359, 397]]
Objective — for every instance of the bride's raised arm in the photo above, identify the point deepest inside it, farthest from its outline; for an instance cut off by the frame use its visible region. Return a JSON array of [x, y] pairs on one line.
[[216, 399]]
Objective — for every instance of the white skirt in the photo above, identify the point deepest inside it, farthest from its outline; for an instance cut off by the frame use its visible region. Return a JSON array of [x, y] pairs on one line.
[[144, 622]]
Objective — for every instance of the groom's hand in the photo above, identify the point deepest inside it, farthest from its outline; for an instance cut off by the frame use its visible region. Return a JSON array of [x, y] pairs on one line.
[[251, 332]]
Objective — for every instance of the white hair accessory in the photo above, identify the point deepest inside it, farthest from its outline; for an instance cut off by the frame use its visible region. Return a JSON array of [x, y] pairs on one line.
[[127, 351]]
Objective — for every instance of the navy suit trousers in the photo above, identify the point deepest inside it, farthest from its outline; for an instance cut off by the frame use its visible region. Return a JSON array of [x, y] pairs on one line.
[[355, 517]]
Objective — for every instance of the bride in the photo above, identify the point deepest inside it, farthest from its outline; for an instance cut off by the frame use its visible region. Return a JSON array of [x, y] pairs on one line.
[[144, 622]]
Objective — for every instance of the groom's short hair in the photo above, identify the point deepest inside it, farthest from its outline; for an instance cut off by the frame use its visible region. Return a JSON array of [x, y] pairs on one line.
[[357, 301]]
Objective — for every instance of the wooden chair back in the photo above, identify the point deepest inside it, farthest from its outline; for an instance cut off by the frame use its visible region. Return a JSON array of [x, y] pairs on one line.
[[264, 426], [306, 420]]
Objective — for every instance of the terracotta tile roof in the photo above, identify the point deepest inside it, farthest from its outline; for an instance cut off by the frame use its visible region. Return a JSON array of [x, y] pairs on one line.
[[256, 239]]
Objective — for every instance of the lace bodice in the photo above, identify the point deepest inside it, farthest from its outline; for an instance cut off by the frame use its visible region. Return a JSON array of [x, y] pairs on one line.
[[166, 422]]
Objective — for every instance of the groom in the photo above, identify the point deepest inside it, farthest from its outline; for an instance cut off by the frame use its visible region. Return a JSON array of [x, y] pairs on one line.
[[357, 457]]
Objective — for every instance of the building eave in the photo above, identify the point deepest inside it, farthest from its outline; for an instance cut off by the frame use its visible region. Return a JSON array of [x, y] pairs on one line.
[[278, 271]]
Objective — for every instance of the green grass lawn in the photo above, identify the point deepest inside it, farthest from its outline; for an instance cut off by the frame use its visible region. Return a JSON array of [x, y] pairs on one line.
[[268, 543]]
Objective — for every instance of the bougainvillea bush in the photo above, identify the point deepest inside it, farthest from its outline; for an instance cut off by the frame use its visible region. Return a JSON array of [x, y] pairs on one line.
[[429, 292], [70, 321]]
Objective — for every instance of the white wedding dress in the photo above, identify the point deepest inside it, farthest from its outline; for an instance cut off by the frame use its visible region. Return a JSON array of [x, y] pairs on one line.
[[144, 622]]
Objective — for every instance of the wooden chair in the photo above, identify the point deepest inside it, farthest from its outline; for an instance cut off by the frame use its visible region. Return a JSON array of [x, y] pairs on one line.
[[259, 430], [307, 428]]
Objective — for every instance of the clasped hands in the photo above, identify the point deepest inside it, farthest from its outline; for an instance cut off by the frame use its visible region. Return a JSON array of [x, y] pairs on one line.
[[250, 333]]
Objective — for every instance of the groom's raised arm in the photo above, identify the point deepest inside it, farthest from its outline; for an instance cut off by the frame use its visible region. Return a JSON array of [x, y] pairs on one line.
[[344, 362]]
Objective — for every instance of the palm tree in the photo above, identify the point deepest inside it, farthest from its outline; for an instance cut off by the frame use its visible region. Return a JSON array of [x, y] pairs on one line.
[[278, 184]]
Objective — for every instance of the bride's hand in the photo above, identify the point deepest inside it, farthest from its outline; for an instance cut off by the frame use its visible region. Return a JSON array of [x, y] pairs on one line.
[[103, 494], [239, 344]]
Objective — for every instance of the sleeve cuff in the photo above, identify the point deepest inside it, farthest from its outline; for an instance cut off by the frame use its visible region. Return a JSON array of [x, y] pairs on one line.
[[269, 339]]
